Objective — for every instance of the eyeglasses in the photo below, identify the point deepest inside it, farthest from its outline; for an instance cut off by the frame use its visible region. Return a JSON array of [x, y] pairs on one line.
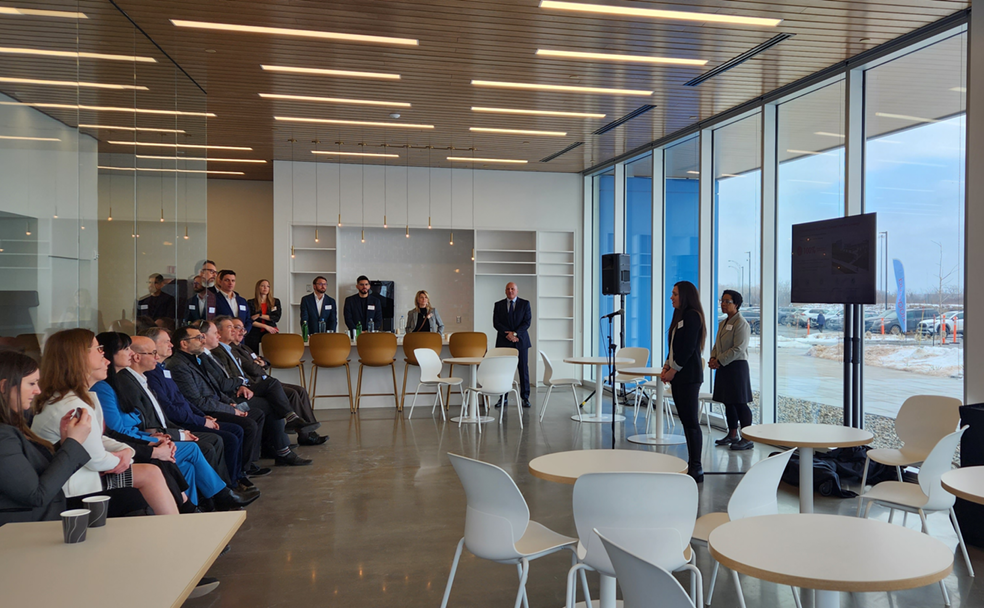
[[723, 301], [98, 348], [199, 337], [153, 352]]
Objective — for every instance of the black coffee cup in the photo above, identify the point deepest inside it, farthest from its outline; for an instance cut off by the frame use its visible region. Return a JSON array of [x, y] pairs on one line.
[[74, 524], [99, 507]]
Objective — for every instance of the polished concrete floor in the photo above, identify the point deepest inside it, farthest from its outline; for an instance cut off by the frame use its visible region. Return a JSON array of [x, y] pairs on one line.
[[375, 520]]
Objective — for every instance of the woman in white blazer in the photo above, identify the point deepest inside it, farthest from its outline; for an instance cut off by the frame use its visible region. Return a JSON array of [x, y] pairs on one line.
[[71, 364]]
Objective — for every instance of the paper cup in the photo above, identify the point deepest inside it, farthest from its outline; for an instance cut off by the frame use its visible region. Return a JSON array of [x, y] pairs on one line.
[[99, 507], [74, 524]]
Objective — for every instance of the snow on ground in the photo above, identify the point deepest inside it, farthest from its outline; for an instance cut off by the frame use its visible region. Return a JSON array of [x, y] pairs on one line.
[[910, 357]]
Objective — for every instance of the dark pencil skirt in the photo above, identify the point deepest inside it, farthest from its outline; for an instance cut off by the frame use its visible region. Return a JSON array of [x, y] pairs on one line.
[[733, 383]]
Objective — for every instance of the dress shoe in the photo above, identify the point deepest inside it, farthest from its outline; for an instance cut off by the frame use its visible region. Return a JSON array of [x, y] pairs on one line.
[[292, 460], [227, 549], [726, 440], [255, 471], [227, 500], [311, 439], [299, 425], [742, 444], [204, 587], [696, 471], [526, 403], [245, 483], [249, 491]]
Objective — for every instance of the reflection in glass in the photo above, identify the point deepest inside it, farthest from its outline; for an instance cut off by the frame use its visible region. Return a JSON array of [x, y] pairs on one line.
[[639, 246]]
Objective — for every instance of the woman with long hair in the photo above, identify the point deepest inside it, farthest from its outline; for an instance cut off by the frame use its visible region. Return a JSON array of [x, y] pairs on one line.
[[32, 470], [424, 317], [72, 362], [684, 368], [265, 311]]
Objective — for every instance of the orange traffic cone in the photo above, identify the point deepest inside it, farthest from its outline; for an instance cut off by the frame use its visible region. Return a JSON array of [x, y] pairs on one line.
[[943, 329], [808, 326], [883, 326]]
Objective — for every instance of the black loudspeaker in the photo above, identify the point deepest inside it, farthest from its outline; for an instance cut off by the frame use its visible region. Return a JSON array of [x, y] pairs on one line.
[[615, 274]]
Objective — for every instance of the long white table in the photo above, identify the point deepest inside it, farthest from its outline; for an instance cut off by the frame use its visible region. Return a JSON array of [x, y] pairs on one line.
[[153, 562]]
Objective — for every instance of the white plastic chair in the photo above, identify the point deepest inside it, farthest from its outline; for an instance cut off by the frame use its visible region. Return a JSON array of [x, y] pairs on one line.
[[707, 404], [550, 382], [430, 375], [754, 495], [643, 581], [497, 523], [658, 507], [928, 496], [495, 376], [921, 422], [640, 358], [645, 391], [505, 351]]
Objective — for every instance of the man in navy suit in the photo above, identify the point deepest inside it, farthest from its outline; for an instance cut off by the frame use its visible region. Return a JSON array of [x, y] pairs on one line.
[[228, 302], [319, 306], [511, 318], [363, 306]]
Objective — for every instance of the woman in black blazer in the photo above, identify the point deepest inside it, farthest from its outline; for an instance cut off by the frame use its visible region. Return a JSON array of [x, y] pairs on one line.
[[684, 367], [32, 471], [265, 311]]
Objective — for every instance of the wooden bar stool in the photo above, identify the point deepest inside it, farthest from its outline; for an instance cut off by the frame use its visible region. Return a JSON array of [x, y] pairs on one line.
[[411, 342], [376, 350], [465, 344], [285, 351], [330, 351]]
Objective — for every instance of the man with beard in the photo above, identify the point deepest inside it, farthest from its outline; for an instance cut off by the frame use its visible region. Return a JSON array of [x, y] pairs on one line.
[[202, 304]]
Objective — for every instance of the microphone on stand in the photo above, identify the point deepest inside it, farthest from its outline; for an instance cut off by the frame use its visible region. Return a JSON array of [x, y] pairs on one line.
[[620, 311]]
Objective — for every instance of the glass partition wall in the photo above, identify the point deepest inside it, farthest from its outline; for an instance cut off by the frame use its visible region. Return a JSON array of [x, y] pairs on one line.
[[784, 161], [86, 215]]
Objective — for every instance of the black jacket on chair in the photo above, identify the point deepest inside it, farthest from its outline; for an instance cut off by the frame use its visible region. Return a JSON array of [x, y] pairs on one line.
[[685, 337]]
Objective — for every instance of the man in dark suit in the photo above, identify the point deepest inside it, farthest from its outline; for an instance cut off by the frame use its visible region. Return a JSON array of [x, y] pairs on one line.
[[319, 306], [511, 318], [230, 303], [201, 305], [362, 307], [157, 304]]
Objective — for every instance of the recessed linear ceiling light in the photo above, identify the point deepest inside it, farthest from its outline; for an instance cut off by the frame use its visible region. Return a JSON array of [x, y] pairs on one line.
[[469, 159], [65, 106], [358, 102], [75, 54], [171, 170], [72, 83], [517, 131], [34, 12], [658, 14], [536, 112], [19, 138], [323, 72], [905, 117], [134, 129], [367, 154], [959, 89], [360, 123], [614, 57], [559, 87], [211, 160], [828, 134], [282, 31], [810, 152], [164, 145]]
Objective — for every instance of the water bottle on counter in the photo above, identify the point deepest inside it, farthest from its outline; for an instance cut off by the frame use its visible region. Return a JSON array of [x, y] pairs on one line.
[[372, 326], [322, 327], [358, 329], [399, 328], [304, 330]]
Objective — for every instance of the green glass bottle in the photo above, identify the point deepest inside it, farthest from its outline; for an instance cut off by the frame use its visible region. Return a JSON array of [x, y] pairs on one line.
[[304, 330], [358, 329]]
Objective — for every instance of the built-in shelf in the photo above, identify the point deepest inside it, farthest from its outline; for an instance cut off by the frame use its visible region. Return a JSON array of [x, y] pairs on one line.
[[310, 260]]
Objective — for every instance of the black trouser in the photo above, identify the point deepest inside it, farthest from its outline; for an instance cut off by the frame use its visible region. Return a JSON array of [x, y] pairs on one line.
[[250, 426], [300, 402], [524, 369], [272, 391], [738, 413], [274, 436], [685, 397], [122, 502], [232, 445]]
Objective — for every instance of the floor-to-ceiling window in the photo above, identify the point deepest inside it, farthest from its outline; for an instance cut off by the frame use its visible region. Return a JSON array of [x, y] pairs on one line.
[[639, 247], [810, 187], [681, 220], [737, 229], [914, 181], [603, 186]]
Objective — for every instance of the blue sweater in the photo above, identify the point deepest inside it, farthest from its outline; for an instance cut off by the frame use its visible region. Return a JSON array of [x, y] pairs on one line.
[[116, 419]]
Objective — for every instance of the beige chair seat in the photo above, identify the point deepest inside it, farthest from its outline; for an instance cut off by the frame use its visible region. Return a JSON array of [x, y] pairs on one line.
[[708, 523], [897, 457], [898, 493]]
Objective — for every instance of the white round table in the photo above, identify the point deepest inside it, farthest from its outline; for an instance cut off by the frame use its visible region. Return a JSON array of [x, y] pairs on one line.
[[599, 363], [657, 437], [566, 467], [830, 554], [966, 483], [806, 437], [469, 415]]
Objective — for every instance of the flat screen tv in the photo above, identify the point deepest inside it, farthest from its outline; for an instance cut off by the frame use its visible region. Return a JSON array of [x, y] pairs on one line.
[[834, 261]]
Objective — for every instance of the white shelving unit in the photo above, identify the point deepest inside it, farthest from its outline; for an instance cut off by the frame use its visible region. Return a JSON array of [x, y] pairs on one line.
[[556, 302], [311, 259]]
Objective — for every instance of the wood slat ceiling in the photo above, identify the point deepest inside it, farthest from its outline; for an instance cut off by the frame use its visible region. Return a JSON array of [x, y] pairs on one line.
[[459, 41]]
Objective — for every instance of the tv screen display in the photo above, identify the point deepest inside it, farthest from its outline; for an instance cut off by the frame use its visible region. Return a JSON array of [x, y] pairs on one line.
[[834, 261]]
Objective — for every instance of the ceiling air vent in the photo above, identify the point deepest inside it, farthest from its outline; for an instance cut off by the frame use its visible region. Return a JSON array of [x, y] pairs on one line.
[[620, 121], [740, 59], [564, 151]]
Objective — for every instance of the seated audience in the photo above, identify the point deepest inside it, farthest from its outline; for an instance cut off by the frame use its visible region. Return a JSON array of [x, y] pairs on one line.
[[71, 364], [265, 311], [230, 303], [157, 305], [32, 470], [424, 317]]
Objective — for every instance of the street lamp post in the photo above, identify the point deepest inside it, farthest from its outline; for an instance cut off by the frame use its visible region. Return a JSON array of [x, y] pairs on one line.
[[885, 265], [748, 256], [741, 268]]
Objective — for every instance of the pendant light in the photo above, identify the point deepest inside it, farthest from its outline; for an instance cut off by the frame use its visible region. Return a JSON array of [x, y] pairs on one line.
[[385, 192], [56, 212], [292, 142], [162, 196], [339, 164], [363, 192], [185, 187], [408, 188], [28, 230], [451, 197], [429, 166], [317, 199], [473, 199], [110, 218]]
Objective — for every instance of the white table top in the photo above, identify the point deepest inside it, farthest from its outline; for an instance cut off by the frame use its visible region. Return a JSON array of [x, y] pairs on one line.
[[831, 552], [645, 371], [157, 559], [566, 467], [464, 360], [805, 435], [966, 483], [595, 360]]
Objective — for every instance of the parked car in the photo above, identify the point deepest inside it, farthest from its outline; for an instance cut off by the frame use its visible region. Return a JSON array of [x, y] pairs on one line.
[[931, 327], [913, 316], [785, 314]]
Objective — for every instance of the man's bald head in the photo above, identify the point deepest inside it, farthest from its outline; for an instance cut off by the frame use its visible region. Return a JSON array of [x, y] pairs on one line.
[[511, 290], [144, 358]]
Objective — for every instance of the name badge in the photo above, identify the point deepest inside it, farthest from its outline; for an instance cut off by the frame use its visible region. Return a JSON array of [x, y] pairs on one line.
[[242, 307], [274, 309], [329, 307], [167, 373], [680, 325], [372, 307], [144, 306], [253, 355], [727, 327], [191, 307], [211, 310]]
